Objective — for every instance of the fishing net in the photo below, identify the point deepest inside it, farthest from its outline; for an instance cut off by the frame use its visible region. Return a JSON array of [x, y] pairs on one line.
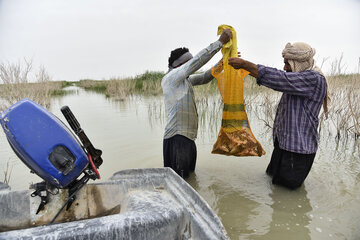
[[235, 136]]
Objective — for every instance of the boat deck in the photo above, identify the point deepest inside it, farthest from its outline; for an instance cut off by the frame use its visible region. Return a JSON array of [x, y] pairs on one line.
[[152, 203]]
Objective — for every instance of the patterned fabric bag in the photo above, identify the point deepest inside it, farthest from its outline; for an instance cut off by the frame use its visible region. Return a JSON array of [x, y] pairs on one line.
[[235, 136]]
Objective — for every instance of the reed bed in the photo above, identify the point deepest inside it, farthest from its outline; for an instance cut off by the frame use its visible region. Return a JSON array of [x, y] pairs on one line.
[[93, 85], [344, 110], [17, 81], [343, 119], [148, 83]]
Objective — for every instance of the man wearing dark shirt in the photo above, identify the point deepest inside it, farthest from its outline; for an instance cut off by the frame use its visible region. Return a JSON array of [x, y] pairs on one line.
[[295, 132]]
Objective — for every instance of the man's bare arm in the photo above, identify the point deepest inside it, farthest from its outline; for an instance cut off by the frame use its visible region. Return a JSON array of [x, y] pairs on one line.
[[238, 63]]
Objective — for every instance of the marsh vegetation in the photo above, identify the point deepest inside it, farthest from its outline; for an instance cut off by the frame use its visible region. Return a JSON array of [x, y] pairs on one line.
[[18, 80], [148, 83], [125, 118]]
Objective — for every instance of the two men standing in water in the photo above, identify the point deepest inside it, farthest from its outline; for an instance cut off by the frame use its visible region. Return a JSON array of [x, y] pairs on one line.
[[295, 132]]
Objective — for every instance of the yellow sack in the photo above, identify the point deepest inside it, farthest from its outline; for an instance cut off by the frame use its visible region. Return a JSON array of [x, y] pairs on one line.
[[235, 136]]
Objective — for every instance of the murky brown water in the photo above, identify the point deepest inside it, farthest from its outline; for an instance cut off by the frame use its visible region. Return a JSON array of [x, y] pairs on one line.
[[130, 134]]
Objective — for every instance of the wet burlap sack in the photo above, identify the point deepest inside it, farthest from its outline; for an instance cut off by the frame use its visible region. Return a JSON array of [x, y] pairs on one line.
[[235, 136]]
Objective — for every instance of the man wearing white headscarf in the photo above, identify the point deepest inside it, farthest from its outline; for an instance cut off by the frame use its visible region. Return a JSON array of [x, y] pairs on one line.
[[179, 147], [295, 133]]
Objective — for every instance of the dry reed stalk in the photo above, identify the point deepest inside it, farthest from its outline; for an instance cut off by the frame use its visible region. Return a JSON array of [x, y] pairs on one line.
[[15, 85], [152, 87], [266, 110], [353, 97], [7, 173], [344, 94], [119, 89]]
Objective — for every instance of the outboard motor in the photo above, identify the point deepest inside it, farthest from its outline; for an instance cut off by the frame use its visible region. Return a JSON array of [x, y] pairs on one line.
[[51, 150]]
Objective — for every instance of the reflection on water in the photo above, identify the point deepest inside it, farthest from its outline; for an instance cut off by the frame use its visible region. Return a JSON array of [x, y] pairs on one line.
[[130, 134], [290, 212]]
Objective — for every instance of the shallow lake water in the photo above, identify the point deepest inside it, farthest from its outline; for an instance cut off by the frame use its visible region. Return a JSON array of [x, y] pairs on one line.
[[130, 134]]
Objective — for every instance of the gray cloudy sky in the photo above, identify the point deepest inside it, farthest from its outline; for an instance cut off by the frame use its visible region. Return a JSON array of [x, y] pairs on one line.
[[99, 39]]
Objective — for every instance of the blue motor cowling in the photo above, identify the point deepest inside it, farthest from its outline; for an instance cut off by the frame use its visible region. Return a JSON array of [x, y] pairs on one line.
[[50, 149], [43, 143]]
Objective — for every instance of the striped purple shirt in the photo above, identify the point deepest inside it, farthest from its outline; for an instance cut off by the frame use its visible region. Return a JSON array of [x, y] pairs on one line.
[[296, 121]]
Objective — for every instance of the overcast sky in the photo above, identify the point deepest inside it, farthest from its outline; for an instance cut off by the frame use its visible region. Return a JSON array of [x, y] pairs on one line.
[[100, 39]]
